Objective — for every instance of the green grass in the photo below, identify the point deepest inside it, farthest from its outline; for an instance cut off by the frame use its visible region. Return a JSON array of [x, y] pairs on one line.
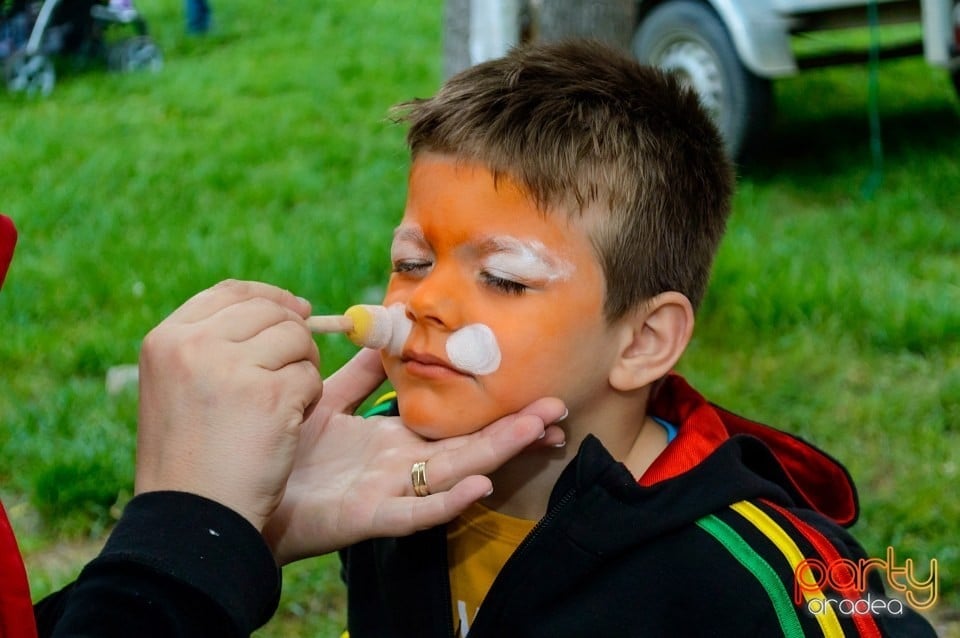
[[263, 152]]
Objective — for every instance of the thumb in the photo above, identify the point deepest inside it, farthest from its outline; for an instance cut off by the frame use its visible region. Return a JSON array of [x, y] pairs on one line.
[[355, 381]]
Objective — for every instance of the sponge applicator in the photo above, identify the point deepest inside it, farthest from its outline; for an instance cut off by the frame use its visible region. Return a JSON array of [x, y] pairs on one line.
[[369, 326], [378, 327]]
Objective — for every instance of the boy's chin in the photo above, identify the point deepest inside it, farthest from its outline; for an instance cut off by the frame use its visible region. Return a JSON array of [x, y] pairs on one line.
[[434, 429], [440, 424], [437, 415]]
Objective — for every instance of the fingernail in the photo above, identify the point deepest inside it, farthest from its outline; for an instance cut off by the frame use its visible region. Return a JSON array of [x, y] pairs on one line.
[[560, 444], [304, 300], [488, 493], [563, 416], [542, 434]]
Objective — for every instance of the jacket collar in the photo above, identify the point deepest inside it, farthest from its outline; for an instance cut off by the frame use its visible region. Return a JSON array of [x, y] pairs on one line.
[[717, 459], [815, 479]]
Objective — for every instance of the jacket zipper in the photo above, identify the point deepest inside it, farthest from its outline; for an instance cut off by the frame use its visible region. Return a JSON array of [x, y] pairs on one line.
[[543, 522], [548, 518], [452, 629]]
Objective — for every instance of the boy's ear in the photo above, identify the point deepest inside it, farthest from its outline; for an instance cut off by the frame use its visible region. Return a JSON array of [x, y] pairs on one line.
[[654, 337]]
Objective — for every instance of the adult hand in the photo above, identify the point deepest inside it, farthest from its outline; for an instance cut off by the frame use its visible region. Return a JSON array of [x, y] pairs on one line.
[[226, 382], [351, 476]]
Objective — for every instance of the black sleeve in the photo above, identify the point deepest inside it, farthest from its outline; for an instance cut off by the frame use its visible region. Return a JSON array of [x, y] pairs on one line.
[[176, 565]]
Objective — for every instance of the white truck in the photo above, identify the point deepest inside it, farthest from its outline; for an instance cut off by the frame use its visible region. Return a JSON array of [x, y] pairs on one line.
[[729, 51]]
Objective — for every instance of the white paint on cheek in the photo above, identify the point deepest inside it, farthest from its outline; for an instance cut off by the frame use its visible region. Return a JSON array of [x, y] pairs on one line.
[[400, 327], [473, 349]]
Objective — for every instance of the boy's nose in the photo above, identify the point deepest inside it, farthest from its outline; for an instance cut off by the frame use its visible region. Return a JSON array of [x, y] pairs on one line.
[[437, 300]]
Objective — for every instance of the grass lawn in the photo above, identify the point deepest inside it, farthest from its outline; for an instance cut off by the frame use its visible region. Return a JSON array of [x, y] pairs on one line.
[[263, 152]]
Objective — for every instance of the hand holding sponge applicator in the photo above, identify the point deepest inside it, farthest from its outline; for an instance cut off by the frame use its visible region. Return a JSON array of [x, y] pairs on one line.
[[368, 326]]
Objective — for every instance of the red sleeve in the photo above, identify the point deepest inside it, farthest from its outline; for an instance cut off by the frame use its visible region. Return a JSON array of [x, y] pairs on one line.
[[8, 239], [16, 610]]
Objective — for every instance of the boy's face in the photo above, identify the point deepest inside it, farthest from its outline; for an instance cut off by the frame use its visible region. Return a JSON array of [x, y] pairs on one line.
[[506, 302]]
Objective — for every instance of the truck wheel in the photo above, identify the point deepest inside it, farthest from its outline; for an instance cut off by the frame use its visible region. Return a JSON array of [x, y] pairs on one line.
[[688, 38]]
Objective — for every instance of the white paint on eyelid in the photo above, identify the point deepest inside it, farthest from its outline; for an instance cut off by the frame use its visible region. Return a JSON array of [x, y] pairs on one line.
[[408, 241], [402, 249], [528, 260], [474, 349]]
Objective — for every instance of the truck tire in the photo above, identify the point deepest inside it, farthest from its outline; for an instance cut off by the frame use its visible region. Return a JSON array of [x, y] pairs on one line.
[[687, 37]]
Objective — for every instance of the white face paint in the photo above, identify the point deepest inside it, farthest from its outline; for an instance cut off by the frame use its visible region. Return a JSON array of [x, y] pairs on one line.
[[400, 327], [388, 328], [473, 349], [523, 261]]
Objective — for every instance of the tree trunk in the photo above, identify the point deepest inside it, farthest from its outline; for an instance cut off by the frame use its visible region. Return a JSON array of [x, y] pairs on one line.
[[478, 30], [611, 21], [456, 36]]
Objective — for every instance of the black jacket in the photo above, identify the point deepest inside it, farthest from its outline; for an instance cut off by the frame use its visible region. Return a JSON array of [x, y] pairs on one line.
[[683, 555], [177, 565]]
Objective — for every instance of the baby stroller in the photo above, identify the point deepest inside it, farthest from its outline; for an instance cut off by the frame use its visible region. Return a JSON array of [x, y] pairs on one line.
[[32, 33]]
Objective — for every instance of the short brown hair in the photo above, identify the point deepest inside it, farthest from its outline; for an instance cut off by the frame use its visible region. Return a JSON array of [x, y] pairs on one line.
[[579, 124]]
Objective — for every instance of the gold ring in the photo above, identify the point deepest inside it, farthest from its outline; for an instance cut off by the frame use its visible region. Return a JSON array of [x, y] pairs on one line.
[[418, 476]]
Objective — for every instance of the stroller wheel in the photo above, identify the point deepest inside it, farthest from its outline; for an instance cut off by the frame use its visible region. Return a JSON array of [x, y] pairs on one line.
[[135, 54], [30, 74]]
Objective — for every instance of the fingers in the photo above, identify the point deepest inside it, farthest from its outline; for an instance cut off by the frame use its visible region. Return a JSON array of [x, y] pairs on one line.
[[245, 319], [227, 293], [302, 379], [350, 385], [553, 437], [484, 451], [270, 318], [272, 336], [550, 410], [283, 343], [411, 514]]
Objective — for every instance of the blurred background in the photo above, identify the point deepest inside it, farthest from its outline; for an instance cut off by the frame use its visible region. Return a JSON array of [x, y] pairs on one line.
[[263, 150]]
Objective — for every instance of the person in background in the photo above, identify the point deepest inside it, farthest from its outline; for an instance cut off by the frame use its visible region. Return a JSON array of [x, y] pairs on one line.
[[242, 466], [198, 16]]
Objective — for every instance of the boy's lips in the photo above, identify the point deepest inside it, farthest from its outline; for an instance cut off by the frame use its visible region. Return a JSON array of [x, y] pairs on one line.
[[423, 364]]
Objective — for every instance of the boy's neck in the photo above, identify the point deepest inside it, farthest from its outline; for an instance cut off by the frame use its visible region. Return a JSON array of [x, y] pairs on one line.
[[522, 487]]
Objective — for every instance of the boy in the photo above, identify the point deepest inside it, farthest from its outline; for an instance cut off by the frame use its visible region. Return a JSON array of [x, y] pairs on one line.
[[564, 207]]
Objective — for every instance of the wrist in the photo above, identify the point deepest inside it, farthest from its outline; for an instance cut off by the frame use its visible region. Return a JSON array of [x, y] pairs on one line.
[[225, 500], [197, 541]]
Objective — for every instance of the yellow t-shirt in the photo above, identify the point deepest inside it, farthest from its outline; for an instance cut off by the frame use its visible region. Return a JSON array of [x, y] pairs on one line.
[[479, 542]]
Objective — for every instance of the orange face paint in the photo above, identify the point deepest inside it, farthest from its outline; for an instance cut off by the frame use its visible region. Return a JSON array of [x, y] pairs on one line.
[[484, 274]]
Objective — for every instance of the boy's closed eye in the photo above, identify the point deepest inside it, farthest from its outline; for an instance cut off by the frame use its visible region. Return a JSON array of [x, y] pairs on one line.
[[502, 283], [419, 267], [505, 264], [412, 265]]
